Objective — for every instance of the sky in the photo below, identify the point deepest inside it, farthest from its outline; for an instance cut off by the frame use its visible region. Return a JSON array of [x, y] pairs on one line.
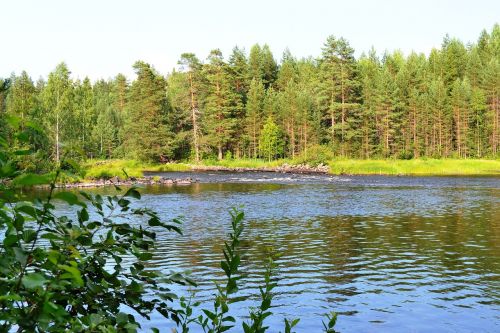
[[101, 38]]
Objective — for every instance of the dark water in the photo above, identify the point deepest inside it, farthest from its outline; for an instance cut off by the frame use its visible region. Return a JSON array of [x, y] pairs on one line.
[[390, 254]]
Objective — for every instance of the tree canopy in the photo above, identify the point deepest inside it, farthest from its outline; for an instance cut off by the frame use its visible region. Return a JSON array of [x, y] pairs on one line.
[[445, 104]]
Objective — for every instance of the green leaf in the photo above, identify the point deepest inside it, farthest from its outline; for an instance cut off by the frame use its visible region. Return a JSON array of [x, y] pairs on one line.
[[133, 193], [73, 273], [33, 281], [95, 319], [10, 240], [29, 235], [27, 209], [121, 318], [83, 215], [210, 315]]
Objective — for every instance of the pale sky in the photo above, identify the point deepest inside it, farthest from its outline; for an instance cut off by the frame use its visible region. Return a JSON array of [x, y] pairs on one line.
[[101, 38]]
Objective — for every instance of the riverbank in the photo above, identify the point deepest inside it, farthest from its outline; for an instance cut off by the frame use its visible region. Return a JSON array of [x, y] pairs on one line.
[[103, 170], [126, 169], [116, 181], [417, 167]]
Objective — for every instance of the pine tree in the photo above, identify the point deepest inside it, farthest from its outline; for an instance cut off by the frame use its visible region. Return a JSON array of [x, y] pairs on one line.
[[148, 136], [221, 103], [21, 100], [337, 88], [369, 67], [460, 95], [192, 67], [254, 114]]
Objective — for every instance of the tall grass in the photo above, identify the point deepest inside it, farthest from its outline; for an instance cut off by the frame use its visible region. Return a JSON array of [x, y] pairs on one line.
[[437, 167], [245, 163], [99, 169]]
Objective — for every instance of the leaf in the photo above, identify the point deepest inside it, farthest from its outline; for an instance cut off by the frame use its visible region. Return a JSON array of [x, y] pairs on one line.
[[34, 126], [123, 202], [168, 296], [33, 281], [26, 209], [210, 315], [9, 241], [121, 318], [133, 193], [83, 215], [29, 235], [73, 273], [95, 319]]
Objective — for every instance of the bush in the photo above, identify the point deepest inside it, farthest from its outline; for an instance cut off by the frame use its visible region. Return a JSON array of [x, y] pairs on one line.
[[315, 155]]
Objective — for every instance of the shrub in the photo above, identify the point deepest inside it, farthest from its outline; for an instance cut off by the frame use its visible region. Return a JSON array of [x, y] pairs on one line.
[[315, 155]]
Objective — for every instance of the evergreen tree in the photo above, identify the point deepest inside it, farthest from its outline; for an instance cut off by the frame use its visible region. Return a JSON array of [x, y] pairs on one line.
[[221, 104], [254, 113], [21, 100], [442, 105], [192, 67], [337, 88], [148, 136]]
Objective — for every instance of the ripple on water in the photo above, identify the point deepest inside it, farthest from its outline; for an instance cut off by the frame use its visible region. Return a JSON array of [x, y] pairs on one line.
[[390, 254]]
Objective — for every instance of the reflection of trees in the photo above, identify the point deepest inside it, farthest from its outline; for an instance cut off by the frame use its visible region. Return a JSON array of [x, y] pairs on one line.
[[334, 259]]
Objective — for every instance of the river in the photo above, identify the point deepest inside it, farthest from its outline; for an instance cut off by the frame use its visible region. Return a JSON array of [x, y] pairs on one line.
[[389, 254]]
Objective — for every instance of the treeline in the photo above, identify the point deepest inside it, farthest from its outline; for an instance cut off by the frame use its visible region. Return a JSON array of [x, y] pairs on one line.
[[442, 105]]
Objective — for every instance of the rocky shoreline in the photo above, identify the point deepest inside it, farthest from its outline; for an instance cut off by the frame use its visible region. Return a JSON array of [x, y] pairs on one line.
[[116, 181], [160, 180], [285, 168]]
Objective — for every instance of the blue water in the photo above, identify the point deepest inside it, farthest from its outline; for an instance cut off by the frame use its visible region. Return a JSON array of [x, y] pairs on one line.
[[389, 254]]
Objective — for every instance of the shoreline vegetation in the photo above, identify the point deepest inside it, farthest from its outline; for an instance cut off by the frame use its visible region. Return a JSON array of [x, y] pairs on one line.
[[245, 108], [130, 172]]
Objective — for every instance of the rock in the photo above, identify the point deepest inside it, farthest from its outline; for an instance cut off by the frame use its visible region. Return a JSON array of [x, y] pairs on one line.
[[186, 181]]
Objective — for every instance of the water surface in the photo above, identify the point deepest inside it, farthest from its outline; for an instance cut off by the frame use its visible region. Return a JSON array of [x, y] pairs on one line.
[[390, 254]]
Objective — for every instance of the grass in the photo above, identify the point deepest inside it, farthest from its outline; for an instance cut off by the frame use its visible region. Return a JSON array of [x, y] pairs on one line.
[[245, 163], [98, 169], [417, 167]]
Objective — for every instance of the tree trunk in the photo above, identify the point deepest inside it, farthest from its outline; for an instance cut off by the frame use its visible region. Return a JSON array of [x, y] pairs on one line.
[[57, 137], [194, 120]]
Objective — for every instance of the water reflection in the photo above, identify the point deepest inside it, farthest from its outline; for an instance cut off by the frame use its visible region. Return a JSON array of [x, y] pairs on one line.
[[392, 254]]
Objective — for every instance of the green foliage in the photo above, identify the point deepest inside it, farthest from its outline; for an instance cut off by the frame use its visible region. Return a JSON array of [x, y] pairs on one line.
[[377, 106], [218, 320], [147, 133], [257, 316], [438, 167], [271, 143], [222, 104], [61, 274], [315, 155]]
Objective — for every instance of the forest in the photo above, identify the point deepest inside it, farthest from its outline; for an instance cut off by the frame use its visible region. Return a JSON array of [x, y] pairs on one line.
[[441, 105]]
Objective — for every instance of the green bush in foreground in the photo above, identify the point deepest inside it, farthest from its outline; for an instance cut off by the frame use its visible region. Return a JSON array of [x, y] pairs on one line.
[[66, 274]]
